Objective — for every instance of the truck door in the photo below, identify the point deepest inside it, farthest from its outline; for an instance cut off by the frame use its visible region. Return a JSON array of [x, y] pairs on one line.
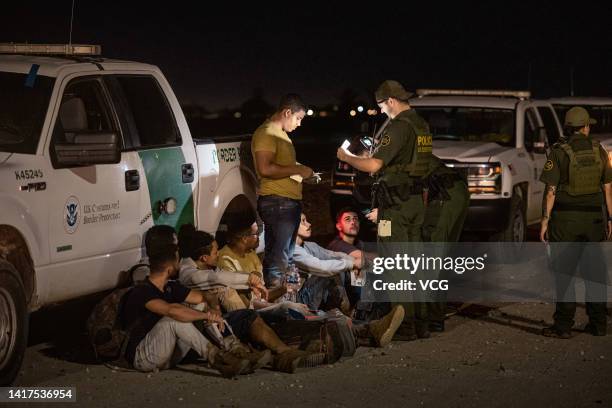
[[93, 210], [168, 161], [533, 133]]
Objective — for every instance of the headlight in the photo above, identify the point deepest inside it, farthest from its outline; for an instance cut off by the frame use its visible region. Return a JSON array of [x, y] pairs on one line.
[[485, 178]]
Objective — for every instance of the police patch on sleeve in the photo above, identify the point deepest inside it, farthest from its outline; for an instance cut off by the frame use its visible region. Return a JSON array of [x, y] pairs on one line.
[[549, 165], [385, 141]]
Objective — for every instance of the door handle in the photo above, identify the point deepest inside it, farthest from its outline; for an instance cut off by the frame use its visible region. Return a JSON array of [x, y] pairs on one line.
[[187, 172], [132, 180]]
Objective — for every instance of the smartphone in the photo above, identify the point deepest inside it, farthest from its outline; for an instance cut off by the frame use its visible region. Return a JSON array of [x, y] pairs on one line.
[[345, 144]]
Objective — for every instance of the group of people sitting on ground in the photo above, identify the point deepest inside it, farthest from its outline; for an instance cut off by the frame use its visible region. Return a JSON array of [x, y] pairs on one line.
[[213, 301]]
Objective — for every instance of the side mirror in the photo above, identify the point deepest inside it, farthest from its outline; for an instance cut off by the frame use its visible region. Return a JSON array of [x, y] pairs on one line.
[[540, 145], [89, 149]]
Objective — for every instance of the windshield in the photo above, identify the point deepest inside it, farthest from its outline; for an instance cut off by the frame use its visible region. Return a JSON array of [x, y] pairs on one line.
[[602, 113], [23, 105], [470, 124]]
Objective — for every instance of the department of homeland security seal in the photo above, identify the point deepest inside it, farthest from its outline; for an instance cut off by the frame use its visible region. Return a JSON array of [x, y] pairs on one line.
[[72, 211]]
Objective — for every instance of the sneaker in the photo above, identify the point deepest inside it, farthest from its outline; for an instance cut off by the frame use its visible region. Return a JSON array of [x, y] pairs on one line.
[[554, 331], [383, 330], [288, 361], [595, 330]]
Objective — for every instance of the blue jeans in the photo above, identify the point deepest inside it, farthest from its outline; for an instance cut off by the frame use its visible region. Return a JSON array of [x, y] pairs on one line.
[[320, 293], [281, 217]]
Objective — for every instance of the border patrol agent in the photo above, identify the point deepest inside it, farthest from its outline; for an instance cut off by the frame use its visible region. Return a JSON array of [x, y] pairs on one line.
[[448, 200], [573, 213], [399, 162]]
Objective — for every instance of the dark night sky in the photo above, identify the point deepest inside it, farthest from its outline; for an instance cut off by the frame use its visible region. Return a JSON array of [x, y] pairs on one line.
[[217, 58]]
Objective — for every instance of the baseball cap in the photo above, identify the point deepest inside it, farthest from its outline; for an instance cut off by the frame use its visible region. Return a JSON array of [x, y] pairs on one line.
[[578, 117], [391, 89]]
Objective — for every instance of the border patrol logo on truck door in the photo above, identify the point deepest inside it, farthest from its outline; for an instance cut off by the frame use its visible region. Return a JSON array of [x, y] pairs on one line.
[[71, 214]]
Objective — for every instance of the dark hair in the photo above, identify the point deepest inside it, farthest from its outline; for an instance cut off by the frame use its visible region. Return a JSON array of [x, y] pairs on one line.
[[236, 233], [193, 243], [293, 102], [345, 210], [160, 245]]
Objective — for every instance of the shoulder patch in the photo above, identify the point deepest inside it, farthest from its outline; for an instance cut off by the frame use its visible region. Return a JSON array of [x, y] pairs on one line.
[[385, 141], [549, 165]]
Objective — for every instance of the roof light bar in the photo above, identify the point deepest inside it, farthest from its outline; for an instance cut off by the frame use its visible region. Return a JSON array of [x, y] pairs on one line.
[[51, 49], [474, 92]]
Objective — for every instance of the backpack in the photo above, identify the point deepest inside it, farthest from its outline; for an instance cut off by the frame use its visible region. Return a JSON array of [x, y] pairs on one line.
[[331, 335], [107, 336]]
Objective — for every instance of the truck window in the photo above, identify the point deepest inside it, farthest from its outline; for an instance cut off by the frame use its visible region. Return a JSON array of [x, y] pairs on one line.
[[471, 124], [550, 125], [151, 119], [530, 128], [24, 101], [84, 109]]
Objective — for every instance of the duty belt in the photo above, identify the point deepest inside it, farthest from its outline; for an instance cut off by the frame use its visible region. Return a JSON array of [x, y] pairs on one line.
[[385, 196], [574, 207]]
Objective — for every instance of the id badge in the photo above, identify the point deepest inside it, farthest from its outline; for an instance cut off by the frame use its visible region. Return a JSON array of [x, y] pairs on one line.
[[384, 228]]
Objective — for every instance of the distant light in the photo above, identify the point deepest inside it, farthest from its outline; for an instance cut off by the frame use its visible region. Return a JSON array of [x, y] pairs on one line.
[[352, 113], [323, 114], [335, 108], [310, 112], [237, 115], [360, 109], [372, 112]]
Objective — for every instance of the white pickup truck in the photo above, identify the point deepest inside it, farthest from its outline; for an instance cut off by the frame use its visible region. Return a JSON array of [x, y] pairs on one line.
[[499, 137], [93, 152]]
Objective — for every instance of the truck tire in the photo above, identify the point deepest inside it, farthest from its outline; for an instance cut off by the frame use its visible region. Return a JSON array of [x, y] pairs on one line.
[[516, 230], [13, 323]]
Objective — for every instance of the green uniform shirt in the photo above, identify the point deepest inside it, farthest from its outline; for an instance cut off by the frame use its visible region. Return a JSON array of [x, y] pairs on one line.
[[556, 172], [396, 147]]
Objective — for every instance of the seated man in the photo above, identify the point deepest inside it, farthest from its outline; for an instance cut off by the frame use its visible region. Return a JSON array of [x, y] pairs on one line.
[[377, 333], [199, 253], [347, 241], [327, 271], [200, 267], [161, 328], [347, 225]]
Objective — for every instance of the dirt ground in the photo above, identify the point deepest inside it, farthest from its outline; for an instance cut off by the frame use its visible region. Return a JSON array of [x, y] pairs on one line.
[[489, 356]]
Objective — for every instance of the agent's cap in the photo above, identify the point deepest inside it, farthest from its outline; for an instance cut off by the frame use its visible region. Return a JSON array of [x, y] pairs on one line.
[[578, 117], [391, 89]]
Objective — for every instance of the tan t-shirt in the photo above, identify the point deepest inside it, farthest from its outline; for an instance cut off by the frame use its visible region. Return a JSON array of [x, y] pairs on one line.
[[231, 261], [272, 138]]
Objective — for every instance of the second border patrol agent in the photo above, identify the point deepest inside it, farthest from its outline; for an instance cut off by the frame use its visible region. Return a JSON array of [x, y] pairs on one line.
[[573, 213]]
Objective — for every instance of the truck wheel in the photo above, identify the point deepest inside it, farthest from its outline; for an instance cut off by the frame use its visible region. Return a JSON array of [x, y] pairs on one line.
[[13, 323], [516, 229]]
